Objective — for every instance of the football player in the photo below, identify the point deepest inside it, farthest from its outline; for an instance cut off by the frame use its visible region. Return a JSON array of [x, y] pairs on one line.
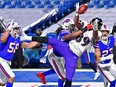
[[9, 42], [104, 56], [67, 26]]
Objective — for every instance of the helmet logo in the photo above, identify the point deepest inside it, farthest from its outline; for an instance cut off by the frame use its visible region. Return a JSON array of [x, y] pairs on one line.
[[105, 28], [66, 21]]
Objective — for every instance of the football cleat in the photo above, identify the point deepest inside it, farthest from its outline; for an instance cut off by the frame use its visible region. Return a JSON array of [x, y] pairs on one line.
[[97, 74], [42, 77]]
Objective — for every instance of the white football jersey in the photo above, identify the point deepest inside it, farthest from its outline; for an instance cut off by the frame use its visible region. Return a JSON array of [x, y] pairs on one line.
[[82, 43]]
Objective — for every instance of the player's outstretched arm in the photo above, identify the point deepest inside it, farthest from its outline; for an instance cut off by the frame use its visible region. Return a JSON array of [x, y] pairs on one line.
[[77, 33], [72, 35], [29, 45], [97, 55], [76, 18], [95, 36]]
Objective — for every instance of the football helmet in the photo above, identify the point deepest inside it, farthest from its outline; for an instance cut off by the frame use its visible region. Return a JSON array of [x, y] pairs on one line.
[[105, 32], [68, 24], [16, 29], [96, 23]]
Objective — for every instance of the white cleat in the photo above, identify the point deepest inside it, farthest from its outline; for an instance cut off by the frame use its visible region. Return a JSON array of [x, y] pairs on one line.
[[97, 74]]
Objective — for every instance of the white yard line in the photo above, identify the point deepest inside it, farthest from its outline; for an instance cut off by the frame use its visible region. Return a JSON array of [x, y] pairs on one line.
[[37, 84], [79, 70]]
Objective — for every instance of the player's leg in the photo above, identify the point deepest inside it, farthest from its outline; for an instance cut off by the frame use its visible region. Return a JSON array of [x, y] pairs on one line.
[[3, 79], [6, 70], [60, 82], [70, 67], [69, 75], [105, 82], [68, 55], [106, 73], [97, 73], [87, 59], [113, 70], [58, 65]]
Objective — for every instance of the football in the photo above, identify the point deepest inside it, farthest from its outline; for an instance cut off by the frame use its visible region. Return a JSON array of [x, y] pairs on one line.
[[82, 8]]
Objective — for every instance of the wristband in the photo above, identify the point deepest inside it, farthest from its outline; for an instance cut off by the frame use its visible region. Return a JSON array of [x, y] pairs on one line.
[[76, 14]]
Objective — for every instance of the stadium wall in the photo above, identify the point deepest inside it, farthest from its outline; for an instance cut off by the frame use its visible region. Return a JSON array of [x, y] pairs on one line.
[[23, 16]]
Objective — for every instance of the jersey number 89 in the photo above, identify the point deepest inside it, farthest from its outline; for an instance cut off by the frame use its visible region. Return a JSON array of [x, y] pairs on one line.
[[85, 40]]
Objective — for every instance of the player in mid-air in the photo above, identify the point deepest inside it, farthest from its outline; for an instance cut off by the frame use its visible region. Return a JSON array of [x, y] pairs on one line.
[[9, 42], [42, 75], [55, 59], [104, 56]]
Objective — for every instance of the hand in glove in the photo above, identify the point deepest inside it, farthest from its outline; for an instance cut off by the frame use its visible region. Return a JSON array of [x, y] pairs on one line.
[[87, 28], [95, 25], [10, 25], [77, 7]]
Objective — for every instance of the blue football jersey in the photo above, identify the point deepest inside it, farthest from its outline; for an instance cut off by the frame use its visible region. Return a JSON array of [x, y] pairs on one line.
[[106, 49], [8, 48], [61, 34]]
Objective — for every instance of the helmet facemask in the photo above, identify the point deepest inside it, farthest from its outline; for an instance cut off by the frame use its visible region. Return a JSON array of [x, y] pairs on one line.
[[96, 23], [105, 32], [15, 32], [71, 27], [105, 35], [68, 24]]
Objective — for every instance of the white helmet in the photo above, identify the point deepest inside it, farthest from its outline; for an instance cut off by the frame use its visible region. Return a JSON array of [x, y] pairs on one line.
[[67, 22], [105, 36], [15, 27], [105, 28]]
